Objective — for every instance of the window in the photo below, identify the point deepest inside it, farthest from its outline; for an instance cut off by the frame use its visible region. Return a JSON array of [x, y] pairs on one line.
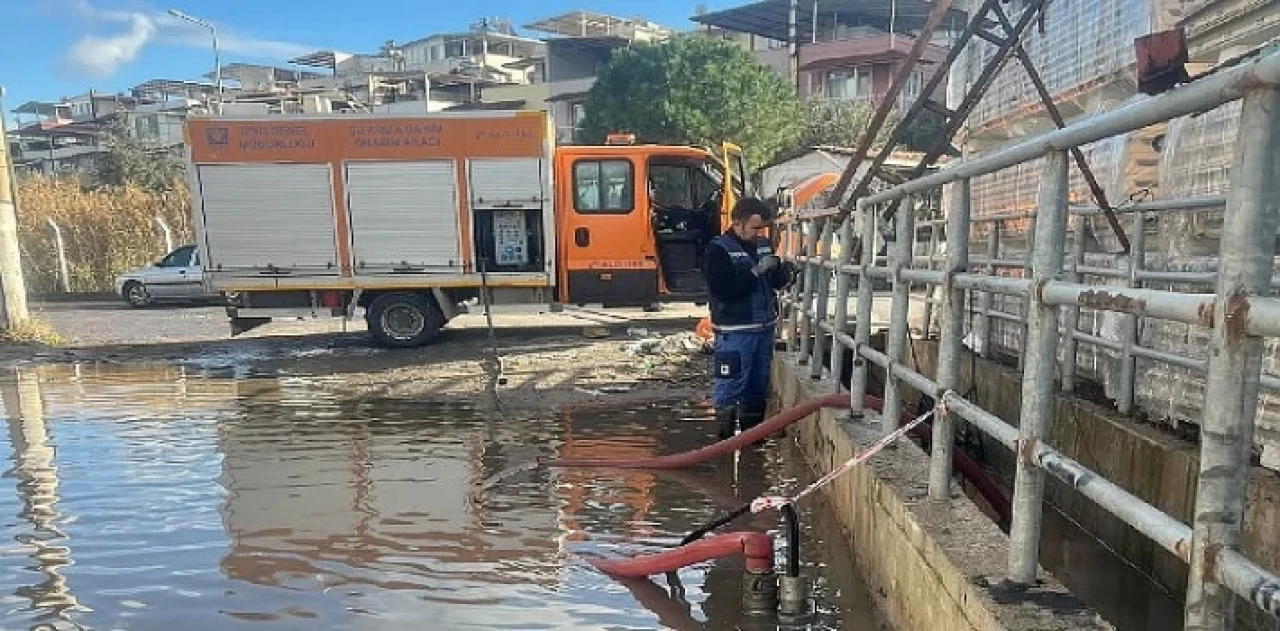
[[911, 90], [147, 127], [670, 186], [685, 185], [915, 83], [180, 257], [603, 186], [853, 84]]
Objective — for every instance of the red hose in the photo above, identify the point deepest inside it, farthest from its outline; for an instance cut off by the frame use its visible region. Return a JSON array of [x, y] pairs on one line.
[[689, 458], [973, 472], [986, 487], [757, 547]]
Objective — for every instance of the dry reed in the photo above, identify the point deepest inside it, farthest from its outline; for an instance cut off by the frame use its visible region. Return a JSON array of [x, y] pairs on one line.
[[106, 231]]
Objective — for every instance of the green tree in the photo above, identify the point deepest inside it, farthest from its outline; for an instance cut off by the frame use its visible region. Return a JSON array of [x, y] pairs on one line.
[[841, 124], [694, 90], [129, 160], [928, 130]]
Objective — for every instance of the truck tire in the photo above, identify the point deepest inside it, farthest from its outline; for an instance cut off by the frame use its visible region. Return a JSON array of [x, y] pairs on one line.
[[404, 320]]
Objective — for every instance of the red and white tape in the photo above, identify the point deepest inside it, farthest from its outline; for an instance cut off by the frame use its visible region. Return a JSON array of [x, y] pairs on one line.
[[768, 502]]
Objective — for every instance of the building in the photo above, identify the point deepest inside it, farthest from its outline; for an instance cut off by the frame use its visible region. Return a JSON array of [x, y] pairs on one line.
[[846, 50], [65, 136], [433, 73], [578, 46]]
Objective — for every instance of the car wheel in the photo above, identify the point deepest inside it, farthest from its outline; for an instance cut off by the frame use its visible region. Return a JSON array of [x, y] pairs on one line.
[[404, 320], [136, 294]]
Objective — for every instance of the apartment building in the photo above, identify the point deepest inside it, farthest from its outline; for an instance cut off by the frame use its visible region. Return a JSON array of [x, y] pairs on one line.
[[578, 46], [65, 136], [846, 50], [429, 74]]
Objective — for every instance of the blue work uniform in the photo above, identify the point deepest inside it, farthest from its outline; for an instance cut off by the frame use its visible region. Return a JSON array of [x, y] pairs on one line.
[[744, 316]]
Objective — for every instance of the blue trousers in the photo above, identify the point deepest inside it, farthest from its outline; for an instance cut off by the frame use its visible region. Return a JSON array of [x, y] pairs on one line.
[[742, 364]]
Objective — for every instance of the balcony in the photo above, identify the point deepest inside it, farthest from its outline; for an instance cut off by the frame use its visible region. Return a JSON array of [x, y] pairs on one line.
[[569, 88], [877, 49]]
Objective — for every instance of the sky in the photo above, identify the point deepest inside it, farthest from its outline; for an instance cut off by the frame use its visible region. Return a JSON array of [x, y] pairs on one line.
[[55, 48]]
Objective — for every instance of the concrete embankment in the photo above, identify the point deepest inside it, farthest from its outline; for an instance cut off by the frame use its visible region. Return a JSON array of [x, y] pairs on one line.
[[933, 565], [1145, 460]]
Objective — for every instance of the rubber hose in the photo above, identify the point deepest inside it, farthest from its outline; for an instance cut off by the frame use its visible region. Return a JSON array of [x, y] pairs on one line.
[[974, 473], [757, 547], [775, 424], [971, 471], [703, 530]]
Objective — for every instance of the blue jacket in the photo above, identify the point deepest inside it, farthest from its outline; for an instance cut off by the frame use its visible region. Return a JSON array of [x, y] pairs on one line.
[[740, 300]]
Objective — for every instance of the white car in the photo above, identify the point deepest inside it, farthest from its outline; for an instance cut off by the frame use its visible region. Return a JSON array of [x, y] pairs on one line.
[[175, 278]]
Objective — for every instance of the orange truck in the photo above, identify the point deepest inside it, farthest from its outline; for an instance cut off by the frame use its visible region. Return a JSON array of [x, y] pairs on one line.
[[415, 220]]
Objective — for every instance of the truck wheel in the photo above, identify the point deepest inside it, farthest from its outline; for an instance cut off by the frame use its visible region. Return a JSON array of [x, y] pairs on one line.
[[404, 320]]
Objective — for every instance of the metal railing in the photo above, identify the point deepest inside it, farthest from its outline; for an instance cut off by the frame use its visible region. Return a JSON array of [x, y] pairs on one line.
[[1239, 314]]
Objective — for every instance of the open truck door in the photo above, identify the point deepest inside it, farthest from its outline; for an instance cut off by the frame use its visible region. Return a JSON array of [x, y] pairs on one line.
[[736, 185]]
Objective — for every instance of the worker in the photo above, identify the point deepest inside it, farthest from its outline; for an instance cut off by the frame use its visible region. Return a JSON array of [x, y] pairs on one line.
[[742, 274]]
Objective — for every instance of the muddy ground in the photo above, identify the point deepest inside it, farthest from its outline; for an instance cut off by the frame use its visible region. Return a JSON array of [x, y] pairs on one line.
[[547, 360]]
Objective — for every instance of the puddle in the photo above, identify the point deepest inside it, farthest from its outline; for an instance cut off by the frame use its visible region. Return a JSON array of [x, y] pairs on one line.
[[173, 496]]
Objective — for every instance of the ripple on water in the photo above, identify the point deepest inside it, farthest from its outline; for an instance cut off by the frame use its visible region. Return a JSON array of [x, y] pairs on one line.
[[197, 497]]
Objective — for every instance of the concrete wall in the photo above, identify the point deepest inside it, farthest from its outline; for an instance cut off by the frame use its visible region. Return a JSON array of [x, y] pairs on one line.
[[934, 565], [567, 63], [534, 96], [1153, 465]]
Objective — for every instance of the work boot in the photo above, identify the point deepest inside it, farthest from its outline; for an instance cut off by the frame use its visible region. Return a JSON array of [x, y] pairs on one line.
[[726, 421], [752, 414]]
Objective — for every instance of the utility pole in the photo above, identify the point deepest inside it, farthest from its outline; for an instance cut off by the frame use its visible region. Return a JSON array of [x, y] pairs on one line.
[[793, 45], [13, 290], [217, 55]]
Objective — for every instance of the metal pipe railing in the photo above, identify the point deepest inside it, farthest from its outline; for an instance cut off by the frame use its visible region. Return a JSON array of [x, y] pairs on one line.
[[1040, 355], [899, 313], [1238, 314], [1246, 257], [950, 337]]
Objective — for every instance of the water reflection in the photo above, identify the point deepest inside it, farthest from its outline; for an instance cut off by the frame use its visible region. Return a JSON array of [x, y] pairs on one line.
[[194, 499], [37, 483]]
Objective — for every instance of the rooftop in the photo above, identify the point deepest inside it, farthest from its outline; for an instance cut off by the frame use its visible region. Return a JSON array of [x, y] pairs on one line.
[[769, 18], [589, 23], [320, 59], [39, 108], [491, 36], [604, 41], [232, 70], [175, 87]]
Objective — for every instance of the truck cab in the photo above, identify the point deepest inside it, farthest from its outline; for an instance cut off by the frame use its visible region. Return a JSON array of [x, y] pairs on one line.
[[633, 221]]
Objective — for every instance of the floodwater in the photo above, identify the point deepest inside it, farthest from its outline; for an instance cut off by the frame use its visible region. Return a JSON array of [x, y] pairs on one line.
[[163, 497]]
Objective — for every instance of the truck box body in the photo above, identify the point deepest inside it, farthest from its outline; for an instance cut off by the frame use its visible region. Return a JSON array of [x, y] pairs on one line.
[[416, 219], [352, 202]]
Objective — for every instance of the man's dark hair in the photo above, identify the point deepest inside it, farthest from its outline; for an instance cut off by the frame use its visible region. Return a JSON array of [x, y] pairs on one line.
[[748, 206]]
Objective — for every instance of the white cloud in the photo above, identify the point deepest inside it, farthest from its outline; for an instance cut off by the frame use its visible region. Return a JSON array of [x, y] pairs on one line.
[[99, 56]]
